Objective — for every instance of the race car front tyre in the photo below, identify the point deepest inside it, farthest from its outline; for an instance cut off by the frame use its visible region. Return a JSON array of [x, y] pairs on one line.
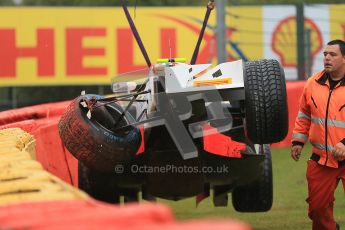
[[96, 141], [258, 196], [266, 109]]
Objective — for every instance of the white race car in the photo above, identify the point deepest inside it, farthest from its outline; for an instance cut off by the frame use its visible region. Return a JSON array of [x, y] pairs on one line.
[[186, 130]]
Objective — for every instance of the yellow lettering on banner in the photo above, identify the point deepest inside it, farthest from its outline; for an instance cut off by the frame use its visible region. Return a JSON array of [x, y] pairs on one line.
[[64, 46], [337, 25]]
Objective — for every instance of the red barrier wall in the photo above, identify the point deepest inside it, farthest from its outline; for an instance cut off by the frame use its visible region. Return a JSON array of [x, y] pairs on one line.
[[92, 214], [294, 92]]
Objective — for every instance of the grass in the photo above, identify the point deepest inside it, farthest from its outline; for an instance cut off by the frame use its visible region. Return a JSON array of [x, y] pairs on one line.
[[289, 209]]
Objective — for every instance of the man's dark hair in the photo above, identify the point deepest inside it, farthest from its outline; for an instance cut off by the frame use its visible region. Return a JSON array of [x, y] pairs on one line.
[[341, 44]]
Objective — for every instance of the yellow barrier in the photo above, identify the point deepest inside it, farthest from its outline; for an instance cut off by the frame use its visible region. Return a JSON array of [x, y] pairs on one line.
[[22, 179]]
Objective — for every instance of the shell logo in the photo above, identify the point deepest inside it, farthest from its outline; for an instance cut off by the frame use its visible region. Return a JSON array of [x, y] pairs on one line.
[[284, 40]]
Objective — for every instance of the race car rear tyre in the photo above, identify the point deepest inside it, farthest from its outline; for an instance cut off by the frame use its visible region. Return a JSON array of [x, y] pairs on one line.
[[266, 108], [95, 141], [103, 186], [258, 196], [99, 185]]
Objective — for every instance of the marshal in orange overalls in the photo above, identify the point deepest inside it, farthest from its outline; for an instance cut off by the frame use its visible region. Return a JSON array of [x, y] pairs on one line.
[[321, 119]]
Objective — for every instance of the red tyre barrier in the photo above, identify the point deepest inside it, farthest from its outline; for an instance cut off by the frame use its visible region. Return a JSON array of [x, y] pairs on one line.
[[88, 213], [27, 125], [199, 225], [52, 154], [97, 215], [33, 112]]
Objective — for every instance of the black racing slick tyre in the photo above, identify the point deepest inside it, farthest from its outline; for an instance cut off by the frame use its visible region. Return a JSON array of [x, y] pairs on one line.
[[103, 186], [95, 141], [265, 101], [257, 196], [99, 185]]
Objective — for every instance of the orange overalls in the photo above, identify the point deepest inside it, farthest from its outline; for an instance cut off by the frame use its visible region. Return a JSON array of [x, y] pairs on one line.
[[321, 119]]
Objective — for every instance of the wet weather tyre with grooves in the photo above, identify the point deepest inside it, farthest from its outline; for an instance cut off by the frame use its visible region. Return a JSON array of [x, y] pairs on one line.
[[92, 141], [266, 103], [258, 196]]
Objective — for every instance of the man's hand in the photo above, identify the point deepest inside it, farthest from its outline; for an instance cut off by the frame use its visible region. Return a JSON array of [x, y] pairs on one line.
[[339, 151], [296, 152]]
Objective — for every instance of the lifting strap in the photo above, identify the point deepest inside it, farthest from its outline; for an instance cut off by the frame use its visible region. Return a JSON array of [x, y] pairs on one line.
[[210, 7], [135, 33]]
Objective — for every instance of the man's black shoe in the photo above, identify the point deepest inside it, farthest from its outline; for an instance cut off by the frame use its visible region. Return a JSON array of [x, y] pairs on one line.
[[337, 227]]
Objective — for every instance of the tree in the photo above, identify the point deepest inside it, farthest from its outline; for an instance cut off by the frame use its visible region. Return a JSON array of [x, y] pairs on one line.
[[6, 3]]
